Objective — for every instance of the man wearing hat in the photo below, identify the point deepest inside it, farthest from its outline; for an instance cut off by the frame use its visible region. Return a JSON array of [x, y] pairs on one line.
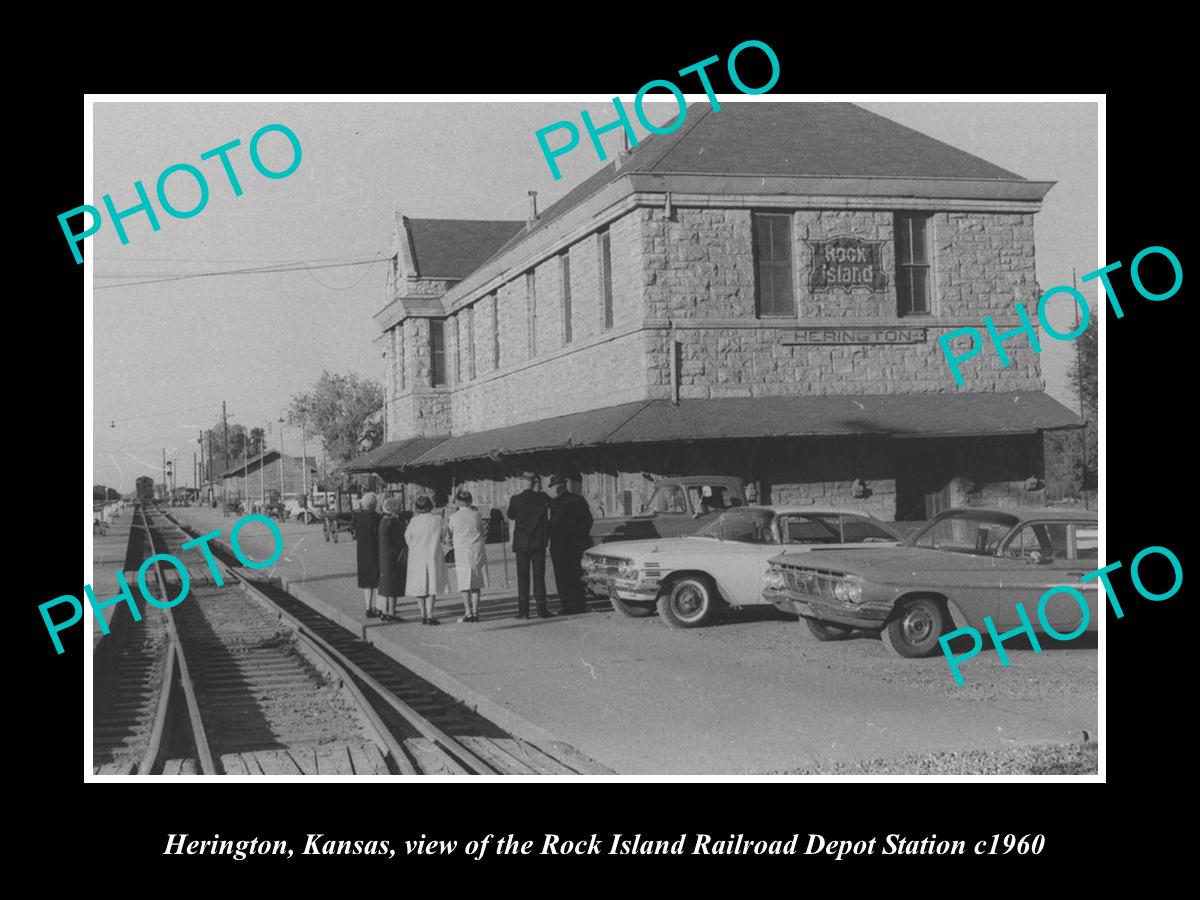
[[529, 512], [570, 526]]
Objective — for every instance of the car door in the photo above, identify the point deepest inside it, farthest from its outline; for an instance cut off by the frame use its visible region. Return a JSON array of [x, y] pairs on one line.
[[1043, 554]]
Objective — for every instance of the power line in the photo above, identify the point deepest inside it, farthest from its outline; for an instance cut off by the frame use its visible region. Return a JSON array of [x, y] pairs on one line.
[[260, 270], [157, 414], [331, 287], [222, 259]]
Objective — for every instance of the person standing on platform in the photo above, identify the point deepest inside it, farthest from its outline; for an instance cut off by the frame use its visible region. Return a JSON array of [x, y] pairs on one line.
[[469, 538], [529, 512], [570, 527], [366, 534], [426, 565], [393, 558]]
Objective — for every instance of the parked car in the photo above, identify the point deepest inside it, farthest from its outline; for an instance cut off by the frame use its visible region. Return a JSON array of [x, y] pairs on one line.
[[677, 506], [297, 508], [687, 578], [965, 564]]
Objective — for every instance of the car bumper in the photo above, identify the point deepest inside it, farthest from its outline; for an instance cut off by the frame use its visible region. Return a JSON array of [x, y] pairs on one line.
[[870, 614], [606, 586]]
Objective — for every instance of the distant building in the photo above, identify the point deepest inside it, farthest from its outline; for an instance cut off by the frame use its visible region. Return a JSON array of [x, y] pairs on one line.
[[260, 475], [758, 294]]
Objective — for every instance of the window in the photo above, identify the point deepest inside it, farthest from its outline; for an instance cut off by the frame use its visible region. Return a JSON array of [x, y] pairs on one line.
[[437, 353], [667, 498], [773, 264], [458, 346], [606, 293], [470, 342], [531, 311], [564, 264], [495, 333], [912, 264], [1053, 542], [400, 352]]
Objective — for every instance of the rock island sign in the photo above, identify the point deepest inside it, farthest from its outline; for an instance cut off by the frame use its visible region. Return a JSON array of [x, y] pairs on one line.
[[845, 263]]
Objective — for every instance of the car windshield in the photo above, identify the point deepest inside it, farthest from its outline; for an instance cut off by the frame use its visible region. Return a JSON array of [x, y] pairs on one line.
[[966, 531], [749, 526]]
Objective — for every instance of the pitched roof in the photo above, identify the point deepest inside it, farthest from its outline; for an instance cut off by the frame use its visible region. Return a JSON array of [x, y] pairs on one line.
[[893, 415], [245, 466], [832, 139], [816, 140], [452, 248]]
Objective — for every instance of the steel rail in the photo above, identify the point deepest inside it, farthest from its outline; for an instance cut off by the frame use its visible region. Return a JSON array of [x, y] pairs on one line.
[[470, 762], [208, 765]]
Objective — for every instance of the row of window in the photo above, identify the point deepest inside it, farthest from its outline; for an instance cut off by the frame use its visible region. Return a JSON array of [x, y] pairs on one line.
[[776, 295], [463, 322], [774, 267]]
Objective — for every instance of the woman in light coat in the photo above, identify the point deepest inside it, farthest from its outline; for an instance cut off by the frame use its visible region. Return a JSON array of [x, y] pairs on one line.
[[426, 563], [469, 537]]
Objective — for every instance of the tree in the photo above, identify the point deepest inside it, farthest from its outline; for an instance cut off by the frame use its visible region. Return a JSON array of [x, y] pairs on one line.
[[1083, 379], [345, 411], [215, 438], [257, 439]]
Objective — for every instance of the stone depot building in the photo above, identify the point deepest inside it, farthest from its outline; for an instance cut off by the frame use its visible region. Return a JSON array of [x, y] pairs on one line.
[[758, 294]]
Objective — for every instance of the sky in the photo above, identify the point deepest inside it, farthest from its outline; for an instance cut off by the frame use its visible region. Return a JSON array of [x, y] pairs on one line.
[[167, 354]]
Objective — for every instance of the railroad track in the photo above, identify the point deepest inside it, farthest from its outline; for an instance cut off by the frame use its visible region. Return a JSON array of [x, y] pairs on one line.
[[244, 679]]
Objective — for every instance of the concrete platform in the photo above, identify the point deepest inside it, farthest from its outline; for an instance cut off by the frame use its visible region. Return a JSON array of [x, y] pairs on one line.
[[108, 557], [753, 695]]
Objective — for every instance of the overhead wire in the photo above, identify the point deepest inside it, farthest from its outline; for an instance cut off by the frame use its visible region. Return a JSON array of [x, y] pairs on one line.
[[256, 270]]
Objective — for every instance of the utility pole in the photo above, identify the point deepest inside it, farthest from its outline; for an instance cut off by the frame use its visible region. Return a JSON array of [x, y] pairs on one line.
[[164, 471], [303, 460], [262, 484], [225, 425]]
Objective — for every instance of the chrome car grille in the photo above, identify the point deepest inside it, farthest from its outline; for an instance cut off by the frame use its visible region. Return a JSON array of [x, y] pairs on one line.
[[597, 564], [818, 582]]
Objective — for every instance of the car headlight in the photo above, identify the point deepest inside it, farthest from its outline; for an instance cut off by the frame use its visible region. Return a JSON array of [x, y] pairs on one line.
[[627, 570], [774, 580], [848, 590]]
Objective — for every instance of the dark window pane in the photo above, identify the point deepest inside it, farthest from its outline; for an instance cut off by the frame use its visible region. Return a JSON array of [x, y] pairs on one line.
[[780, 230], [495, 333], [920, 289], [437, 352], [903, 244], [920, 246], [566, 297], [762, 237], [783, 291], [606, 278]]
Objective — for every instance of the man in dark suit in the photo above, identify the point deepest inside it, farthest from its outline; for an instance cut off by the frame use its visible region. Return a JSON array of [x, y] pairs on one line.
[[570, 527], [529, 512]]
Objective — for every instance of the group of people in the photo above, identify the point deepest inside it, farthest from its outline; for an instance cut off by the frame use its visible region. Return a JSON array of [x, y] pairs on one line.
[[395, 560]]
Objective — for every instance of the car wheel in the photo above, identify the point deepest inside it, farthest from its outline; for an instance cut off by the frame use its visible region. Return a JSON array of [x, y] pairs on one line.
[[688, 603], [632, 609], [827, 631], [915, 629]]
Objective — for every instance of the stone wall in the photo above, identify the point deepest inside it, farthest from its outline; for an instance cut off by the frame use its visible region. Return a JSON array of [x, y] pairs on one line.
[[691, 278], [700, 266], [598, 368]]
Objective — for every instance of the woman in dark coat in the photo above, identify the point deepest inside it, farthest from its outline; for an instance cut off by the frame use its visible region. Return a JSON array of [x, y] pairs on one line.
[[393, 558], [366, 533]]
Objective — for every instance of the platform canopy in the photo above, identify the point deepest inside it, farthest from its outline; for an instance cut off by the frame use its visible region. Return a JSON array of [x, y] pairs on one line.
[[392, 455], [883, 415]]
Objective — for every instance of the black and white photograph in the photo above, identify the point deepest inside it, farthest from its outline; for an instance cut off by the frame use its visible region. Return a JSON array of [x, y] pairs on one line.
[[595, 440]]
